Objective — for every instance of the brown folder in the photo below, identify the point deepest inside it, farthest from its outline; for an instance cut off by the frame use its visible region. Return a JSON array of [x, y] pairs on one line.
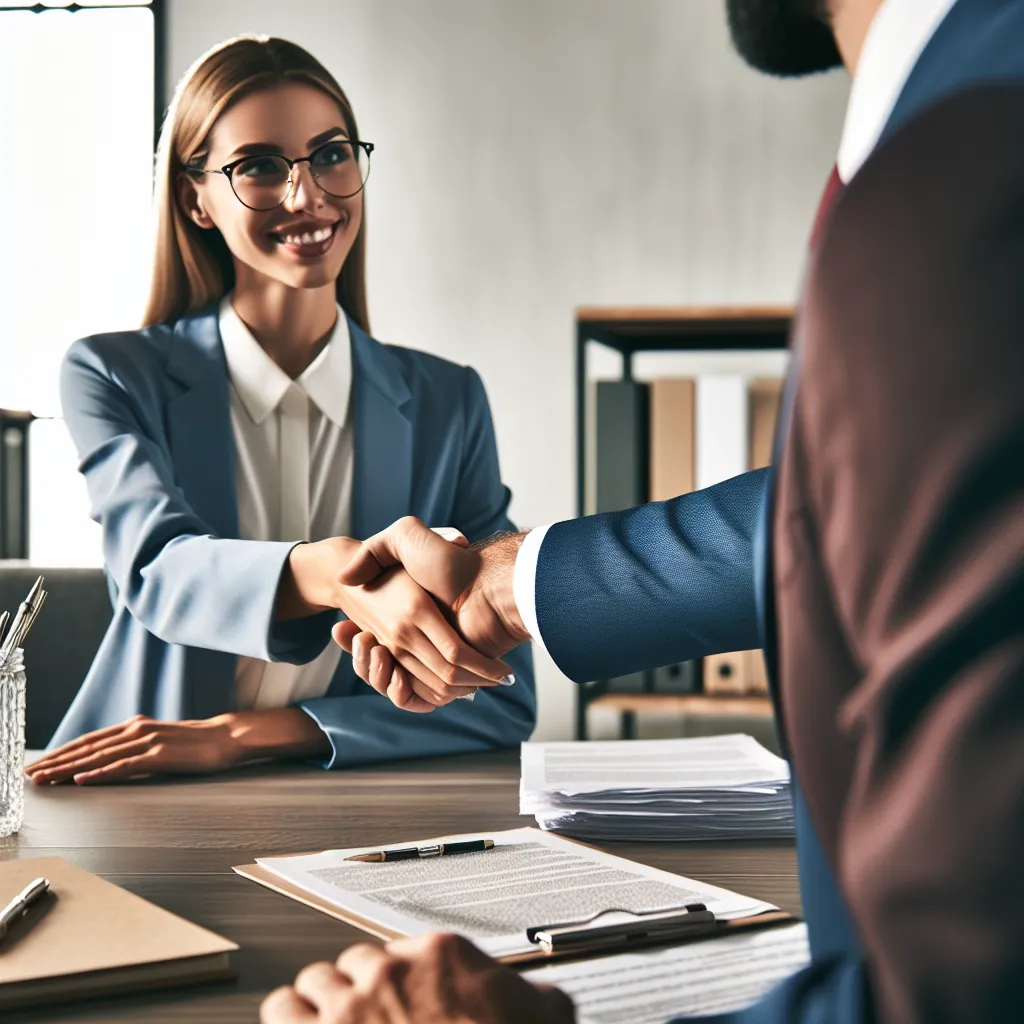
[[757, 674], [727, 674], [765, 395], [89, 937], [672, 437]]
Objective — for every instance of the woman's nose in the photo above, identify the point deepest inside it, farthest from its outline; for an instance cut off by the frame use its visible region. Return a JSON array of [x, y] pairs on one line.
[[303, 191]]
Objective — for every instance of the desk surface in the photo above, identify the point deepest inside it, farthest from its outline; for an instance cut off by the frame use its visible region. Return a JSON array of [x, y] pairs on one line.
[[174, 842]]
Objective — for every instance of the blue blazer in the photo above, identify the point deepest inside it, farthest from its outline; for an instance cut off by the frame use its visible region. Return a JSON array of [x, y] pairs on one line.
[[680, 579], [149, 413]]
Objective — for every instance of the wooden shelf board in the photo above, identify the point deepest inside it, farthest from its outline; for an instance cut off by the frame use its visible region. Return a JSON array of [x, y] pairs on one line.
[[697, 315], [684, 704]]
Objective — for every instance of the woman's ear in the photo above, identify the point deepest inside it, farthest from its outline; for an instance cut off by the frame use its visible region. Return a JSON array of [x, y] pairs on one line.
[[190, 202]]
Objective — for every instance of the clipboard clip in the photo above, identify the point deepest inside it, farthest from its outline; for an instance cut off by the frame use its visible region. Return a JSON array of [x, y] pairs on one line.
[[649, 926]]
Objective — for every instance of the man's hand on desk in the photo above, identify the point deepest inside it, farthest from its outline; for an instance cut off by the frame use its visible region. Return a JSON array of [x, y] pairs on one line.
[[428, 979], [142, 747], [474, 585]]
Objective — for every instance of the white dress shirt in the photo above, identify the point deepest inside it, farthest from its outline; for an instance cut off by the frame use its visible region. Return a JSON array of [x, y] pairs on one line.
[[897, 36], [293, 474]]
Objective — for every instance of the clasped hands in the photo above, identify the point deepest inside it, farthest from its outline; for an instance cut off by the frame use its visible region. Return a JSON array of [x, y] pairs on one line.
[[427, 657]]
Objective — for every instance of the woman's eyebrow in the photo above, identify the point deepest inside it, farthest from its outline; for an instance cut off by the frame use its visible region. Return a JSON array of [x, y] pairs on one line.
[[319, 140], [273, 147]]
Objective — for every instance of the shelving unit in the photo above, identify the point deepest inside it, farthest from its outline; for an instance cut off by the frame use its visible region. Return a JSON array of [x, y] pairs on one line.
[[629, 331]]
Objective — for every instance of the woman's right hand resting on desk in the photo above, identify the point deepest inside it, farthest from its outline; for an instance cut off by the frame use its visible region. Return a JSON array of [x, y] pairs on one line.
[[142, 747]]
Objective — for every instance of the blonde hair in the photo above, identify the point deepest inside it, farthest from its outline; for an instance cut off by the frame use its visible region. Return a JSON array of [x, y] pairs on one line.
[[192, 267]]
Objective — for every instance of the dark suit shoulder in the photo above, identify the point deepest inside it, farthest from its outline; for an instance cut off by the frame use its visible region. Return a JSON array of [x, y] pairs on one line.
[[934, 210]]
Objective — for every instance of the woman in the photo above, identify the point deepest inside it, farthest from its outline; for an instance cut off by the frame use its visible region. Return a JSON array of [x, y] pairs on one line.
[[254, 411]]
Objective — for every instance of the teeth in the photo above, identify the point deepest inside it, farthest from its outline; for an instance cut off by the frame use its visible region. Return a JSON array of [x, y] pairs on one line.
[[309, 238]]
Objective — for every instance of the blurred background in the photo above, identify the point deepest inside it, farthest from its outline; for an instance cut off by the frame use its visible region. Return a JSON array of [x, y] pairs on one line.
[[533, 157]]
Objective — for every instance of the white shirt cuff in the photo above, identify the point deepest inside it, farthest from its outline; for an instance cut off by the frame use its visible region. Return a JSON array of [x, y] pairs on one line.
[[525, 581]]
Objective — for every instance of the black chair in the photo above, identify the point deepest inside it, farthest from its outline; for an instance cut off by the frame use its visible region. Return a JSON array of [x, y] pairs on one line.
[[63, 641]]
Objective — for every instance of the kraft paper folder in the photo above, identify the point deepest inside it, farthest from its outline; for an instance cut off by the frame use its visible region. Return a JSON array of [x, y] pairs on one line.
[[90, 937], [578, 939]]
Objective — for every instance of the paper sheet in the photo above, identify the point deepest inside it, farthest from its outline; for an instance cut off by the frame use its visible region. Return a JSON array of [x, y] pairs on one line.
[[713, 787], [710, 976], [530, 878], [705, 763]]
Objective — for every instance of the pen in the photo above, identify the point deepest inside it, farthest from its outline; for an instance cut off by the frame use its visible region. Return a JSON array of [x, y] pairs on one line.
[[22, 620], [18, 907], [4, 616], [437, 850]]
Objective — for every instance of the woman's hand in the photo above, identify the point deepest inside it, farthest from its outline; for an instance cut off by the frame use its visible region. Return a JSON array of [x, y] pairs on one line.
[[375, 665], [400, 615], [139, 747], [142, 747]]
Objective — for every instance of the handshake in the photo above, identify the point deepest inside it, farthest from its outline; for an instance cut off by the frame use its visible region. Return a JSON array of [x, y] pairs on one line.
[[448, 616]]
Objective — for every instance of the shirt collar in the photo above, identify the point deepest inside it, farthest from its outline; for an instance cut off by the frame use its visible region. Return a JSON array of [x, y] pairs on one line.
[[899, 32], [261, 384]]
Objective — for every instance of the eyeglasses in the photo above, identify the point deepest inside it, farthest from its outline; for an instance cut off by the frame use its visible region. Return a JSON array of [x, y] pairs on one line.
[[262, 182]]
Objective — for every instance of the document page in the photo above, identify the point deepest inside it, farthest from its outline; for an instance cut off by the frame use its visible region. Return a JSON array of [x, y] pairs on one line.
[[710, 976], [646, 766], [530, 878]]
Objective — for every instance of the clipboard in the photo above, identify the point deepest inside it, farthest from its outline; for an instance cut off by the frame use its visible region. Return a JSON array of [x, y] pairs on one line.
[[555, 941]]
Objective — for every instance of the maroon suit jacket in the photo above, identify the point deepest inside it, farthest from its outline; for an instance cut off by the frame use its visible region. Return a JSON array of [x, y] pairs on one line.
[[899, 560]]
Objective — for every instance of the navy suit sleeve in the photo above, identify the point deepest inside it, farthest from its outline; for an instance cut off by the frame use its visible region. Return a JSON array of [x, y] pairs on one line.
[[653, 585], [369, 727]]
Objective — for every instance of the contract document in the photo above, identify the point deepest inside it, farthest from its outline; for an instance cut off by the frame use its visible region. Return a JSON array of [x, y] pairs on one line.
[[529, 879], [705, 977], [713, 787]]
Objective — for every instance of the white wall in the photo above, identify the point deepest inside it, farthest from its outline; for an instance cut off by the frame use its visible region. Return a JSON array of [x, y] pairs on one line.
[[538, 155]]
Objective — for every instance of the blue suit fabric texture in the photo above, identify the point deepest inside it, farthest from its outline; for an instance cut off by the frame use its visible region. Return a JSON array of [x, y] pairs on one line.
[[149, 414], [693, 576]]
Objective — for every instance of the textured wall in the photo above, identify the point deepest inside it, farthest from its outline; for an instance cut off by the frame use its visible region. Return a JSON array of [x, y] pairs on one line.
[[537, 155]]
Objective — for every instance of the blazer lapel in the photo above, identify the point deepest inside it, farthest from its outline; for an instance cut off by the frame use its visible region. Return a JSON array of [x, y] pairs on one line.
[[382, 476], [199, 423]]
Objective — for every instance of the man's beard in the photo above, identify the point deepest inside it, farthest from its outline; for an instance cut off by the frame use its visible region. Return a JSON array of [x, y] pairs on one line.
[[783, 37]]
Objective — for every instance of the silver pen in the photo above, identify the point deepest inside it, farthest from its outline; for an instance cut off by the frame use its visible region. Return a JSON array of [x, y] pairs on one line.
[[19, 906], [26, 611]]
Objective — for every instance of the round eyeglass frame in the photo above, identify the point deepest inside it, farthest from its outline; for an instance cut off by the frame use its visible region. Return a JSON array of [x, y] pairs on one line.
[[228, 170]]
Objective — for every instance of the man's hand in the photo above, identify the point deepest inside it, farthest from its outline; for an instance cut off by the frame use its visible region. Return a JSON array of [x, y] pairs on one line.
[[474, 584], [398, 612], [429, 979]]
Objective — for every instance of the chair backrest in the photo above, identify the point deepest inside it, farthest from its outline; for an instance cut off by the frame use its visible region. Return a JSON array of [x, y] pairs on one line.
[[63, 641]]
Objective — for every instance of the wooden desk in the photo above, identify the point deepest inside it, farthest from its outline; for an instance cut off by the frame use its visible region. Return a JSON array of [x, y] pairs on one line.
[[174, 842]]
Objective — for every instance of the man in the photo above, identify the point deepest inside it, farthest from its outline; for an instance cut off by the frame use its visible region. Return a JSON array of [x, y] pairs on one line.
[[890, 586]]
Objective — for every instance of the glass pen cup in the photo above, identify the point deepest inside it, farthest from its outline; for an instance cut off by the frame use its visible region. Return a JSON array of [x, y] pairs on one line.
[[12, 743]]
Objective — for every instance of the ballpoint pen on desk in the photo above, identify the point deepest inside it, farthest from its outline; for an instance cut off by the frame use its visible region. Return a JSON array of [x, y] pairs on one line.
[[23, 620], [19, 906], [436, 850]]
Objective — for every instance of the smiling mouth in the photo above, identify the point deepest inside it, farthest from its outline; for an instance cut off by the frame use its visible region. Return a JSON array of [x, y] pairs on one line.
[[307, 243]]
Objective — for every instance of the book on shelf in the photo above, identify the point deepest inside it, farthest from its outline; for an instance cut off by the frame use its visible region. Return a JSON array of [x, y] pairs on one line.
[[704, 430], [656, 440]]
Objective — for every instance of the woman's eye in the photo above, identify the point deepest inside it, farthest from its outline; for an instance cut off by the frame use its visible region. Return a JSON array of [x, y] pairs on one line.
[[332, 153], [261, 167]]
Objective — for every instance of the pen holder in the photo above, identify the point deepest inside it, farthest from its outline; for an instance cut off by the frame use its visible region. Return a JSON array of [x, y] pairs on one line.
[[12, 744]]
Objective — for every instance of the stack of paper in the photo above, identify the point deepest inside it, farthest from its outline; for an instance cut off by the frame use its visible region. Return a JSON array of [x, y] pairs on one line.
[[714, 787]]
